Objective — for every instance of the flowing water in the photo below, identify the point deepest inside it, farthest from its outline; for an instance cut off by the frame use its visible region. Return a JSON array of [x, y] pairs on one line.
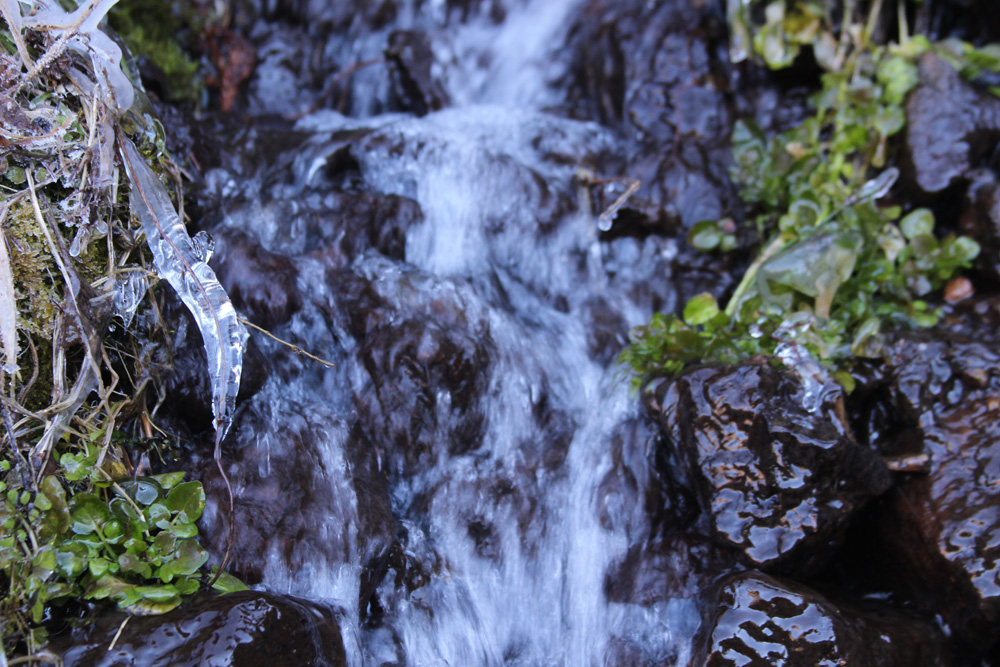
[[463, 482]]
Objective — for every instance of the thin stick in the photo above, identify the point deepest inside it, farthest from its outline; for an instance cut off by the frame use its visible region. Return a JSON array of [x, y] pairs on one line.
[[111, 647], [42, 656], [328, 364], [605, 219]]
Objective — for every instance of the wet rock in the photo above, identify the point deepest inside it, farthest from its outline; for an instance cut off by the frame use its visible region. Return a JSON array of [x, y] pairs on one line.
[[649, 69], [429, 365], [248, 629], [759, 620], [950, 125], [943, 525], [664, 569], [262, 284], [312, 503], [412, 65], [981, 219], [977, 318], [350, 223], [778, 480]]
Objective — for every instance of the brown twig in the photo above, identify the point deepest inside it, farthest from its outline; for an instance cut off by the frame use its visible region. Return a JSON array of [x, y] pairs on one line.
[[296, 348]]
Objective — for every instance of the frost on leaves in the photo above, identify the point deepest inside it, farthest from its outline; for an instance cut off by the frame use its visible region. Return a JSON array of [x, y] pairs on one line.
[[184, 266]]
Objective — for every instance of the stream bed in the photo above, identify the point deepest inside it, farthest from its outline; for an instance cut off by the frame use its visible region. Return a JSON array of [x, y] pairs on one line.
[[475, 481]]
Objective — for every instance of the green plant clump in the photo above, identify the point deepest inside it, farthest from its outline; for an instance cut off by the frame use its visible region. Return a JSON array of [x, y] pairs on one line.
[[836, 269], [82, 345]]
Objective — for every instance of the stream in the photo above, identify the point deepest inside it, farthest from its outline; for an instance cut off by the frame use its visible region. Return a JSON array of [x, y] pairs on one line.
[[462, 207], [475, 462]]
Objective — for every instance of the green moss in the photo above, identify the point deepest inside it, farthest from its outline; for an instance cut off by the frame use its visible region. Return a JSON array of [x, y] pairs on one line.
[[37, 287], [155, 30]]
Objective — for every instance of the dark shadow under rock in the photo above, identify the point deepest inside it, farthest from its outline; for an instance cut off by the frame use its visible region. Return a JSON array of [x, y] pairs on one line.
[[248, 629], [779, 481], [753, 619]]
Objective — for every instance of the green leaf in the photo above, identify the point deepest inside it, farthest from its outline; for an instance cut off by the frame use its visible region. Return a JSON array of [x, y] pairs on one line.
[[164, 593], [132, 564], [42, 502], [227, 583], [87, 513], [705, 235], [182, 530], [169, 480], [98, 566], [158, 515], [186, 585], [899, 76], [189, 556], [188, 500], [107, 586], [144, 491], [71, 559], [45, 559], [165, 542], [917, 223], [700, 309]]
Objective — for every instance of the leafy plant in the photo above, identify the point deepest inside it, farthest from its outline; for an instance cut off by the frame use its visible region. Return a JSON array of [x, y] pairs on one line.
[[836, 268]]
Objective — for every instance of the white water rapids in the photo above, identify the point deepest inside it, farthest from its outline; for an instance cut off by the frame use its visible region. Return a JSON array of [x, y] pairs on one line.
[[516, 546]]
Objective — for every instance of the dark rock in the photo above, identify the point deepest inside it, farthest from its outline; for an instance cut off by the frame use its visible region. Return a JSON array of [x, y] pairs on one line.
[[261, 284], [753, 619], [943, 525], [950, 125], [246, 629], [649, 69], [977, 318], [311, 495], [411, 63], [664, 569], [981, 219], [429, 365], [347, 224], [778, 481]]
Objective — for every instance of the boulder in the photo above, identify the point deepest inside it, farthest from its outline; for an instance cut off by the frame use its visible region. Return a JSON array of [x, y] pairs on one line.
[[756, 620], [777, 472], [249, 629]]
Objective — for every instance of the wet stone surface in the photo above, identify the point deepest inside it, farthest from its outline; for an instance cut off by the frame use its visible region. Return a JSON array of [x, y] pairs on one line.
[[649, 70], [950, 125], [943, 525], [248, 629], [981, 219], [778, 481], [756, 620]]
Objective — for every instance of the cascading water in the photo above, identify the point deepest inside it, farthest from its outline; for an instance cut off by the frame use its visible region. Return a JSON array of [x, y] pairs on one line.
[[468, 393]]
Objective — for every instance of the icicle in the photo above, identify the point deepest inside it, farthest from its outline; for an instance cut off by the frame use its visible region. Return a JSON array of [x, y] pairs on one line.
[[78, 31], [130, 289], [182, 264]]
